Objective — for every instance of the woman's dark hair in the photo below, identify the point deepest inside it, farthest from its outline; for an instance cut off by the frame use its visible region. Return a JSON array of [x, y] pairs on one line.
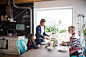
[[30, 38], [42, 20]]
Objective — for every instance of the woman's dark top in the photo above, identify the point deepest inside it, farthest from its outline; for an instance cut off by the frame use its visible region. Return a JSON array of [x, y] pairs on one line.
[[38, 34]]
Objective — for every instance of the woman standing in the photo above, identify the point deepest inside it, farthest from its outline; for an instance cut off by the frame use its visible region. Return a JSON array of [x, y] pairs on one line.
[[40, 32]]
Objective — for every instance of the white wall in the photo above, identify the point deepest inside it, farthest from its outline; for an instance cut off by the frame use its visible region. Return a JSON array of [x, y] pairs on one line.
[[79, 7]]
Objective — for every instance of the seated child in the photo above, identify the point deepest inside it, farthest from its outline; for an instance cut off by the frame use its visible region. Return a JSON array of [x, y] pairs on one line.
[[31, 42]]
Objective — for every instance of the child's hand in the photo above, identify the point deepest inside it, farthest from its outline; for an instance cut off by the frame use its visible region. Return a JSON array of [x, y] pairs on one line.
[[38, 45]]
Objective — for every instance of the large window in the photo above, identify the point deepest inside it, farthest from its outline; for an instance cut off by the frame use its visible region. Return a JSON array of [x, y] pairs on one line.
[[53, 16]]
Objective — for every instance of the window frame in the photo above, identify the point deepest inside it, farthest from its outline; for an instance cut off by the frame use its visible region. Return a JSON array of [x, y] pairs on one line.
[[52, 8]]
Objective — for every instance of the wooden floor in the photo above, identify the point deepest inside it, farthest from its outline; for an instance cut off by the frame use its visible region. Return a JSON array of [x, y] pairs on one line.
[[8, 55]]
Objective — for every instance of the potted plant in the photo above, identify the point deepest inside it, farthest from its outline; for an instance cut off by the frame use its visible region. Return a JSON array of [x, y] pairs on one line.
[[55, 28], [63, 30], [84, 31], [54, 42], [9, 18], [84, 26], [6, 17], [51, 29]]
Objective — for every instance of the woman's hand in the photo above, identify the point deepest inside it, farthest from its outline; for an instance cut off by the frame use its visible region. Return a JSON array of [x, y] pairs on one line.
[[64, 43], [46, 38], [48, 35]]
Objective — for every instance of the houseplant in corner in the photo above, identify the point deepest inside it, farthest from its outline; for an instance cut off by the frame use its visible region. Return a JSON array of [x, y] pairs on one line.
[[84, 26], [84, 31]]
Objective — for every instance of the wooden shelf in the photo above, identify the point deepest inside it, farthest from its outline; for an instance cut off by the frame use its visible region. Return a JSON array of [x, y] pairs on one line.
[[8, 21], [21, 1]]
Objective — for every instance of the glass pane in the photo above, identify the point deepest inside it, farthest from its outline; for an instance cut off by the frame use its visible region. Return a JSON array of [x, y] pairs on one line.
[[53, 16]]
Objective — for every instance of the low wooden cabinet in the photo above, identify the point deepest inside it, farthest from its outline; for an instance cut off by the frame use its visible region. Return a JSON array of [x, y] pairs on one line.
[[11, 46]]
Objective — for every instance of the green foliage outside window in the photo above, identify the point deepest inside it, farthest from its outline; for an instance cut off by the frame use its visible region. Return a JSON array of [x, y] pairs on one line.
[[55, 28], [85, 30]]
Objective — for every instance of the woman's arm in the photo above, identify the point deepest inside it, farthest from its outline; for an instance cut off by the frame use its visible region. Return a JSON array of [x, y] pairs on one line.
[[69, 44], [66, 43], [39, 33], [44, 32], [76, 42]]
